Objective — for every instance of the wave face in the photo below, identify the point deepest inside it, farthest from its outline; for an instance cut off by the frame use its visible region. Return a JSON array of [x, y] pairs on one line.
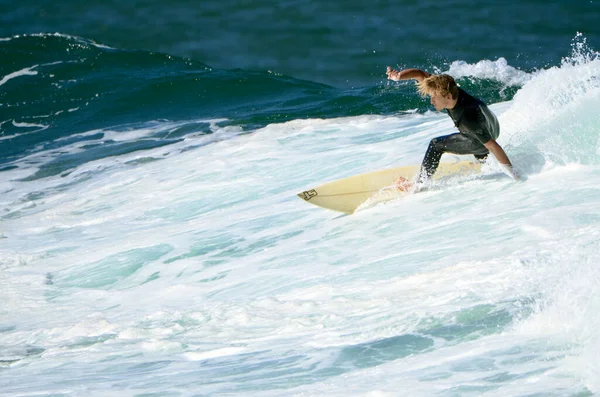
[[151, 242], [56, 87]]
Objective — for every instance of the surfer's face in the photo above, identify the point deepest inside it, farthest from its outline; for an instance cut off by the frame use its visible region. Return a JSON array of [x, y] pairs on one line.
[[442, 102]]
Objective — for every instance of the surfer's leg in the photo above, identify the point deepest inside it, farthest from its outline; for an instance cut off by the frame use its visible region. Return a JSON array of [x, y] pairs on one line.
[[454, 143], [432, 158]]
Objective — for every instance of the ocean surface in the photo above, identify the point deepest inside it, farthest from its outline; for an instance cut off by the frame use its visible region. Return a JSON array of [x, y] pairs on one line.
[[151, 240]]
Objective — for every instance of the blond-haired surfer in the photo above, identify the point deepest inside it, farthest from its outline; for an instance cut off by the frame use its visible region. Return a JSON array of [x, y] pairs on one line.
[[478, 127]]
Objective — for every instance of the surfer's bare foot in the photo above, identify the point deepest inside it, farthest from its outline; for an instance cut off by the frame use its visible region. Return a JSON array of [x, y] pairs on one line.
[[403, 184]]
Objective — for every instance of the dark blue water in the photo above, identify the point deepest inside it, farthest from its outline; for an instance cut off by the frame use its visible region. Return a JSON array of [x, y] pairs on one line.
[[345, 43]]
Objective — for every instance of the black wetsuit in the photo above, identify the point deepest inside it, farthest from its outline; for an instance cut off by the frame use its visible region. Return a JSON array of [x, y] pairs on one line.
[[477, 125]]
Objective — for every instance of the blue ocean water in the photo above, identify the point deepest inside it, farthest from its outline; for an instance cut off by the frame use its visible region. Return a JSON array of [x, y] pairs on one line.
[[151, 240]]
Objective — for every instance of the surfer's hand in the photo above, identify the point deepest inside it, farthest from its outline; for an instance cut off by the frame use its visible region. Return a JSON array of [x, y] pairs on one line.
[[518, 176], [510, 171], [392, 74]]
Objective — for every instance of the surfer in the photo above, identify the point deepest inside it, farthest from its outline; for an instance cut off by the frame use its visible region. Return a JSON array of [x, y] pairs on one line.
[[478, 127]]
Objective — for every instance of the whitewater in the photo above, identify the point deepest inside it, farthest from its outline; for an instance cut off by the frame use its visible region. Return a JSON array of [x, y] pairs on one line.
[[194, 270]]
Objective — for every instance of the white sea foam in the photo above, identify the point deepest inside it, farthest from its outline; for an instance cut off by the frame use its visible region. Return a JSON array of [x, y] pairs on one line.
[[495, 70], [23, 72], [202, 271]]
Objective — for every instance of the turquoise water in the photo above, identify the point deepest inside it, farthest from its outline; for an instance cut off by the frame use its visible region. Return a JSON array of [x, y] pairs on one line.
[[151, 243]]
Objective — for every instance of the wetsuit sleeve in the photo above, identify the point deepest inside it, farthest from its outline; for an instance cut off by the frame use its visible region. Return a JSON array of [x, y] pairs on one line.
[[475, 125]]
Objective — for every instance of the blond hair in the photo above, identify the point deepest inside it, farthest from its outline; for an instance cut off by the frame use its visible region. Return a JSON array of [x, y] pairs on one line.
[[438, 84]]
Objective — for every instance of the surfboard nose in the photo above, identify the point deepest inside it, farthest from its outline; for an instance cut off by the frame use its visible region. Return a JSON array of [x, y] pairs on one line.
[[308, 194]]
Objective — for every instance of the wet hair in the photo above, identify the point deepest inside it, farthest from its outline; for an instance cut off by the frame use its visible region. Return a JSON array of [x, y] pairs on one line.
[[438, 84]]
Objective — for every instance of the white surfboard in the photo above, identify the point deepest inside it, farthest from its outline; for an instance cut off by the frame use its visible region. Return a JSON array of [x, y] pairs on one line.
[[347, 194]]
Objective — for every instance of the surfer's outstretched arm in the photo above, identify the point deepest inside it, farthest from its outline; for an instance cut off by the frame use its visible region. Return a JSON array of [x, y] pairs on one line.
[[502, 158], [406, 74]]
